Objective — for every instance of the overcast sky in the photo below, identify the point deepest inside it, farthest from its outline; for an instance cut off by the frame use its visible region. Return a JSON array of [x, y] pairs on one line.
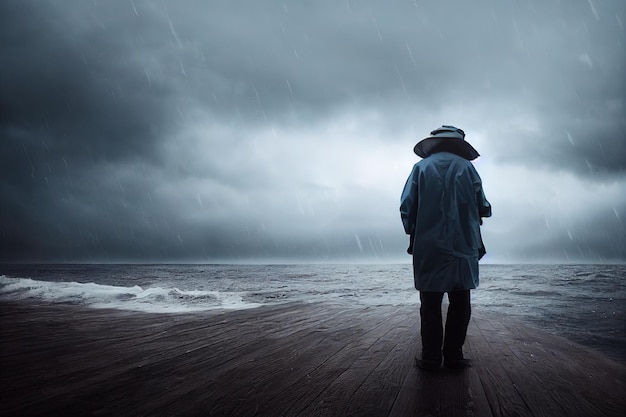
[[267, 131]]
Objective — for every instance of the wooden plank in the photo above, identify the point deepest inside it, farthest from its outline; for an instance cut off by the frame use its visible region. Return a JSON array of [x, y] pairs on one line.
[[377, 393], [406, 401], [476, 391], [297, 359], [236, 370], [571, 374], [267, 357], [310, 385], [112, 370], [504, 398], [354, 362], [560, 388], [272, 381]]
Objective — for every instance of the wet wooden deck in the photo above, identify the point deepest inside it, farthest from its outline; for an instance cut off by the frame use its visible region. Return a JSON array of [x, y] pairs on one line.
[[289, 360]]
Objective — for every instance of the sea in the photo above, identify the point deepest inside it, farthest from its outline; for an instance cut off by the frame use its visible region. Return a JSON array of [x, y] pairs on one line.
[[584, 303]]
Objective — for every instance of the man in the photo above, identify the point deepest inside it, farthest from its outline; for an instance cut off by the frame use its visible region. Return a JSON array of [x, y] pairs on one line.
[[442, 206]]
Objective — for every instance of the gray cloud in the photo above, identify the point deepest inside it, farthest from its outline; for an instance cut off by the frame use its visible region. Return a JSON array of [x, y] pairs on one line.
[[134, 130]]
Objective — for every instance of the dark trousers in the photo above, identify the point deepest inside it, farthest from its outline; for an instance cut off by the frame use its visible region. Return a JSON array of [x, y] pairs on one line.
[[457, 321]]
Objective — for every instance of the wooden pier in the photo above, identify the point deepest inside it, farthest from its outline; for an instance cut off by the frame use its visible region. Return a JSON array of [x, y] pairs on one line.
[[288, 360]]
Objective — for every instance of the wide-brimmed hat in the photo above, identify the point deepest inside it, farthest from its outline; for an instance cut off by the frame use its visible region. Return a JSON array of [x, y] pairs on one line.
[[446, 139]]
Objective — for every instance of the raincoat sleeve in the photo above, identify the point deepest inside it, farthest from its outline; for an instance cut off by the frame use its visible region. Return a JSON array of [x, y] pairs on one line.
[[408, 202], [484, 207], [484, 210]]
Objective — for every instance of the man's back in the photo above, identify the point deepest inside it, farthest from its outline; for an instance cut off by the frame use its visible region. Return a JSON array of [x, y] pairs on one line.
[[448, 216], [441, 207]]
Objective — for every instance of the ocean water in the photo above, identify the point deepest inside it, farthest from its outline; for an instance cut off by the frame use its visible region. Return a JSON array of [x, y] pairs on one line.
[[585, 303]]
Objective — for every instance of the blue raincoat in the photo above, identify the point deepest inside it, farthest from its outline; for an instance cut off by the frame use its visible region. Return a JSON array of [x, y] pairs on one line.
[[441, 208]]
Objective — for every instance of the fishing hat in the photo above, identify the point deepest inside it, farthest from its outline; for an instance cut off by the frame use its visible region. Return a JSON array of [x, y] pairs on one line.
[[446, 139]]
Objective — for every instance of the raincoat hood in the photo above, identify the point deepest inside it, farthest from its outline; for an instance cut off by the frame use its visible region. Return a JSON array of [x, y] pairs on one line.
[[446, 139]]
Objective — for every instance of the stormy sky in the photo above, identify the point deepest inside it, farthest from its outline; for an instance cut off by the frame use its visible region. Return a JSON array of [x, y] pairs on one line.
[[263, 131]]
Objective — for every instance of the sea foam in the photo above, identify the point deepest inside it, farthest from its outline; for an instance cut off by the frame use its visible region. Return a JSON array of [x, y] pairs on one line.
[[136, 298]]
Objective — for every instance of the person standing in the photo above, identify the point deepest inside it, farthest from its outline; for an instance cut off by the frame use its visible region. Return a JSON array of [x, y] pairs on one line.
[[442, 207]]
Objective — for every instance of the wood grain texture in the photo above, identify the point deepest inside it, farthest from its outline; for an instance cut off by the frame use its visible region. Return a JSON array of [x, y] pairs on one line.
[[288, 360]]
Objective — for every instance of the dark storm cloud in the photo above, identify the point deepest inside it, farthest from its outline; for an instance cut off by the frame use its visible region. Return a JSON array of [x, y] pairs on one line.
[[71, 99], [66, 84], [561, 63], [175, 130], [123, 66]]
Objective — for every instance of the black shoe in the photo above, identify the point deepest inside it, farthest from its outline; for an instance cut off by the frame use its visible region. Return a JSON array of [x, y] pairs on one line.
[[427, 364], [457, 363]]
